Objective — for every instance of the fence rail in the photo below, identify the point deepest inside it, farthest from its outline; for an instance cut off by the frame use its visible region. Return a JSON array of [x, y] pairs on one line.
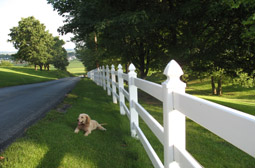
[[232, 125]]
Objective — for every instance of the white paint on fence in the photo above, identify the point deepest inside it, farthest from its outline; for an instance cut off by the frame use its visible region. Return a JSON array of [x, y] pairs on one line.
[[121, 88], [133, 97], [108, 80], [232, 125], [152, 123], [174, 121], [151, 88]]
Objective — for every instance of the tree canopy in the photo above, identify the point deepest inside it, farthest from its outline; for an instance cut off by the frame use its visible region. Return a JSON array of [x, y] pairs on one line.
[[206, 35], [36, 45]]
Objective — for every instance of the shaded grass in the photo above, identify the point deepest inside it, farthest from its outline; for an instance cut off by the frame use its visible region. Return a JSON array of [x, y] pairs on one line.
[[52, 141], [11, 76]]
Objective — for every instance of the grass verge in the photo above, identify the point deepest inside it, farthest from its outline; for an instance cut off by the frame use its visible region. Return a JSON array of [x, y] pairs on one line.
[[52, 141], [11, 76]]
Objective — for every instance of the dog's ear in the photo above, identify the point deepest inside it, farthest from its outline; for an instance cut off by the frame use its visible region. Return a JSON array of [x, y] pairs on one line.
[[87, 119]]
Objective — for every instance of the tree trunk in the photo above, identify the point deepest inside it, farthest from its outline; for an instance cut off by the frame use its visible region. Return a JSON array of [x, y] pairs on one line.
[[35, 67], [219, 89], [48, 67], [97, 65], [213, 86], [95, 40], [41, 67]]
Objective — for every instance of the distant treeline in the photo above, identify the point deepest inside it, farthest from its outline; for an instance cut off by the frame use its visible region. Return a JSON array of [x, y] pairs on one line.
[[10, 57], [6, 57], [70, 54]]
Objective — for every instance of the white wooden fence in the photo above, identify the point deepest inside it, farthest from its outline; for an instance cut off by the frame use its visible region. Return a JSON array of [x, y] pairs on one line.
[[234, 126]]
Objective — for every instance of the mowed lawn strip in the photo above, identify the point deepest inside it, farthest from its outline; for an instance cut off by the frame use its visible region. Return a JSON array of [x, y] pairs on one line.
[[12, 76], [52, 141]]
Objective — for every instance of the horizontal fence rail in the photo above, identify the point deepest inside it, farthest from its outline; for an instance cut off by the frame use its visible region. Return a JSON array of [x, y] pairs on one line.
[[232, 125]]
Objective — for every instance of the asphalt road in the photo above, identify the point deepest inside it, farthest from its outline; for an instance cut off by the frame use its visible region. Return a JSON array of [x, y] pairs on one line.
[[21, 106]]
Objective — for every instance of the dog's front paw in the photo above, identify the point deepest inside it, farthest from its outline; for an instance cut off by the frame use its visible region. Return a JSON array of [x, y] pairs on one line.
[[87, 133], [76, 131]]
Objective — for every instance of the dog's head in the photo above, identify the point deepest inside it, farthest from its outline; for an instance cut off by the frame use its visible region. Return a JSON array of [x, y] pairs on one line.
[[83, 119]]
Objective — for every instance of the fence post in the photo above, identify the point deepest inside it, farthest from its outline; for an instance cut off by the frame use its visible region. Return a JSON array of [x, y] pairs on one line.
[[93, 75], [114, 99], [174, 121], [97, 76], [88, 74], [101, 76], [108, 80], [121, 86], [103, 71], [132, 98]]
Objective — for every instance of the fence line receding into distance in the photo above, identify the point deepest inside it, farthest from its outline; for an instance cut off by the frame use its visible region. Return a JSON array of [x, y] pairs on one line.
[[236, 127]]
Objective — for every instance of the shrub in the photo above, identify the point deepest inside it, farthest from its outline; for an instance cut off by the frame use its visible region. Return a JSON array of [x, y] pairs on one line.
[[244, 79], [5, 63]]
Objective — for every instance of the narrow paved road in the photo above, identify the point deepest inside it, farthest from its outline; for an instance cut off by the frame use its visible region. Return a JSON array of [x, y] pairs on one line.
[[21, 106]]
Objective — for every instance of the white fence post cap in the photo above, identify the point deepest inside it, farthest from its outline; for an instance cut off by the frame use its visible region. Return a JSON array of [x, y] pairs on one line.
[[131, 67], [119, 67], [113, 68], [173, 69]]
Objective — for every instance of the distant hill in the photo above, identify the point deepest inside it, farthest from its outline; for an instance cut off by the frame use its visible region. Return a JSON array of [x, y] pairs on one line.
[[70, 50], [8, 52], [6, 55], [14, 52]]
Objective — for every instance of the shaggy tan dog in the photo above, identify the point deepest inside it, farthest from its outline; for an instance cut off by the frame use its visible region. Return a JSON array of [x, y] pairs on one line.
[[85, 123]]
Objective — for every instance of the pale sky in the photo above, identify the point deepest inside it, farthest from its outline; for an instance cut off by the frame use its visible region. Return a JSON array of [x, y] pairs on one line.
[[11, 12]]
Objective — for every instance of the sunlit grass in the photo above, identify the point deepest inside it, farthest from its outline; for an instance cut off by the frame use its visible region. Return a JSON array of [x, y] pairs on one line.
[[23, 73], [76, 67], [12, 76], [209, 149], [21, 150], [55, 144], [76, 161]]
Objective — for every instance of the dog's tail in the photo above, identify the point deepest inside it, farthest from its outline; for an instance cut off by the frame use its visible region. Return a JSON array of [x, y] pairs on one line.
[[103, 124]]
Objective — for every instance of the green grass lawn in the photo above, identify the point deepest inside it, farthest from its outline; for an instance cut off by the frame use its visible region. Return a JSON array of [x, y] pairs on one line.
[[209, 149], [18, 75], [11, 76], [76, 67], [52, 141], [236, 97]]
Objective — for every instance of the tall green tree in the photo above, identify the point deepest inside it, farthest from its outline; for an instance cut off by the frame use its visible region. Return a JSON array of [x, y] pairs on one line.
[[33, 42], [125, 31], [59, 59], [208, 36]]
